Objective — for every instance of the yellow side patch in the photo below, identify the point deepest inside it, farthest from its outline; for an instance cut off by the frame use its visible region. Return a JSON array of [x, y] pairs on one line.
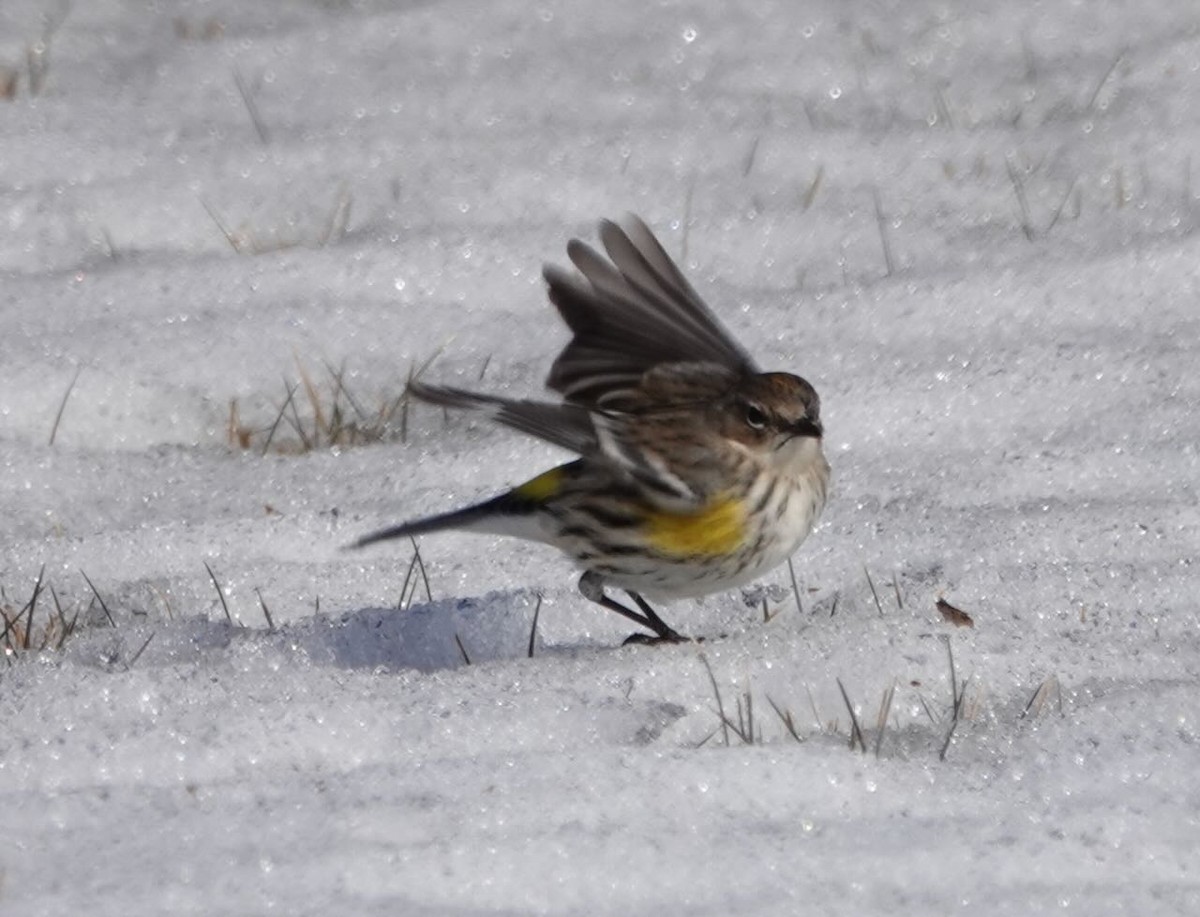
[[714, 531], [542, 488]]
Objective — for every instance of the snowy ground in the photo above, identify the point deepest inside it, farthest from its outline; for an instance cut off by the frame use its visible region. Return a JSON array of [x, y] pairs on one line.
[[1005, 346]]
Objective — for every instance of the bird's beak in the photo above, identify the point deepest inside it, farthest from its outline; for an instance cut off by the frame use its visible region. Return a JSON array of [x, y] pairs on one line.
[[806, 427]]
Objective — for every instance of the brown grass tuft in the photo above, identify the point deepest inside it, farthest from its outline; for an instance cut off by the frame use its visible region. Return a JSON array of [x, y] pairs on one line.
[[319, 411]]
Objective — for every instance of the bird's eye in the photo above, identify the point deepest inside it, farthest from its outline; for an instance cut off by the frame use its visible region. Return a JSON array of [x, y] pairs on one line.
[[756, 418]]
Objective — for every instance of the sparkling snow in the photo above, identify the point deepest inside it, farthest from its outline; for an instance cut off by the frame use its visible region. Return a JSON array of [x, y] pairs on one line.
[[971, 226]]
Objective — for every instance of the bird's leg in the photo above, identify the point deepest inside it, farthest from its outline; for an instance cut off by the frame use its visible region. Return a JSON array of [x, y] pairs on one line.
[[666, 633], [591, 584], [592, 587]]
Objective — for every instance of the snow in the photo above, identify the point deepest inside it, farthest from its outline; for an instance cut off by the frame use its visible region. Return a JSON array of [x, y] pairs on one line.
[[1012, 421]]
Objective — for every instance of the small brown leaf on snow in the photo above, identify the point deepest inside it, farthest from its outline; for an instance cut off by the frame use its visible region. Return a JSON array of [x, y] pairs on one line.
[[955, 616]]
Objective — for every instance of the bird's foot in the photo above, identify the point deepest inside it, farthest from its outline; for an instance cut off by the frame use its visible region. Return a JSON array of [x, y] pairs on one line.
[[643, 639]]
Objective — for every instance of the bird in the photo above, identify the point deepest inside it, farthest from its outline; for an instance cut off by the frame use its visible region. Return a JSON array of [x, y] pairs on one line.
[[696, 471]]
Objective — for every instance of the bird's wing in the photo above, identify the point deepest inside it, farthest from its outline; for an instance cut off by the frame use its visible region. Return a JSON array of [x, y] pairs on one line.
[[629, 313], [657, 449], [565, 425], [665, 442]]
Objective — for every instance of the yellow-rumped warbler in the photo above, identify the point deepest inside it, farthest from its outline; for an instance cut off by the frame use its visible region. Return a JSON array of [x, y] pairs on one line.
[[697, 472]]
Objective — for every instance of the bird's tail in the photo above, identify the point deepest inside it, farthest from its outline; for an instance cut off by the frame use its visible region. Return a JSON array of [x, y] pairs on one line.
[[512, 513]]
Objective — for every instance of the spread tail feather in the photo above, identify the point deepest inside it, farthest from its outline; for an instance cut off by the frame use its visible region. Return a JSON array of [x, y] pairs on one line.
[[512, 513], [469, 518]]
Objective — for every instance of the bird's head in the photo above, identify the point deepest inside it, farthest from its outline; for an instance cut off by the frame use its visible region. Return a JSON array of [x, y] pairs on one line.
[[776, 416]]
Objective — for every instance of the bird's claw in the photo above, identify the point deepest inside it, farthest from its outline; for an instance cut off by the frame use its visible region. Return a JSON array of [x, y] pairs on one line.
[[642, 639]]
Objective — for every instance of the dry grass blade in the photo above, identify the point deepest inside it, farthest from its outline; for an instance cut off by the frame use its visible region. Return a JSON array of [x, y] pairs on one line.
[[856, 734], [66, 629], [100, 599], [138, 655], [1062, 205], [109, 246], [708, 738], [13, 629], [812, 703], [289, 397], [953, 721], [314, 402], [251, 108], [810, 114], [235, 240], [165, 600], [220, 592], [265, 610], [407, 594], [953, 677], [751, 155], [949, 737], [884, 237], [768, 616], [712, 680], [341, 391], [339, 218], [928, 712], [885, 709], [957, 698], [62, 405], [408, 591], [10, 627], [874, 593], [745, 726], [1050, 686], [1112, 68], [1022, 200], [785, 716], [32, 605], [421, 569], [235, 433], [814, 186], [462, 649], [537, 610], [896, 589], [406, 398], [402, 404], [62, 619], [424, 367], [795, 588], [306, 442]]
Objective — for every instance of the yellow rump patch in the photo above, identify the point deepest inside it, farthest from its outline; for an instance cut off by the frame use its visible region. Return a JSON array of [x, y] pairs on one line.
[[542, 488], [714, 531]]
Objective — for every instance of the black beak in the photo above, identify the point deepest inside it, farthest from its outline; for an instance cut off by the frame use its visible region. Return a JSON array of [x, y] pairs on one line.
[[806, 427]]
